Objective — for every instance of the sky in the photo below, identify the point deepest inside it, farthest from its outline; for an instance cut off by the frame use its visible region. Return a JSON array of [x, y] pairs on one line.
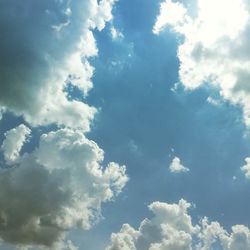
[[124, 125]]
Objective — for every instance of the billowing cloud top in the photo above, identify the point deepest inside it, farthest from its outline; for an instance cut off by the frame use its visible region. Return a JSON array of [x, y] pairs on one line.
[[171, 228], [215, 46]]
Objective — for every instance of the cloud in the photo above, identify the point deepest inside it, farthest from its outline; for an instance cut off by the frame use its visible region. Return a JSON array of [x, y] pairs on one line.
[[13, 143], [171, 228], [1, 112], [45, 47], [176, 166], [171, 13], [213, 101], [59, 186], [116, 34], [246, 168], [213, 47], [168, 218], [71, 246]]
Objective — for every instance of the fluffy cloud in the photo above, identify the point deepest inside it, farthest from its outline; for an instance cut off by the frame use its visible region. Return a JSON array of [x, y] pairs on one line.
[[59, 186], [171, 13], [171, 228], [176, 166], [46, 46], [214, 48], [15, 138], [246, 168]]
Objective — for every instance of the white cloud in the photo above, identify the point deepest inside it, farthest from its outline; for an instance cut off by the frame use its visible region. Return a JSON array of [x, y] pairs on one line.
[[246, 168], [171, 13], [59, 186], [51, 51], [102, 13], [116, 34], [215, 48], [176, 166], [213, 101], [171, 228], [13, 143]]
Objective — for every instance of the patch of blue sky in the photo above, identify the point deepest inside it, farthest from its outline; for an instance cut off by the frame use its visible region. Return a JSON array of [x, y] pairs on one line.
[[138, 105]]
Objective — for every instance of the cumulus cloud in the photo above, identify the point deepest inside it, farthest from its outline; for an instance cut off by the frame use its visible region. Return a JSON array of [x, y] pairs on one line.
[[13, 143], [246, 168], [171, 13], [59, 186], [214, 48], [170, 222], [171, 228], [45, 47], [176, 166]]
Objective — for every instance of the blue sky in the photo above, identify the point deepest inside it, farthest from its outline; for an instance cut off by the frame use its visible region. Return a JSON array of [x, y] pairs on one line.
[[146, 115]]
